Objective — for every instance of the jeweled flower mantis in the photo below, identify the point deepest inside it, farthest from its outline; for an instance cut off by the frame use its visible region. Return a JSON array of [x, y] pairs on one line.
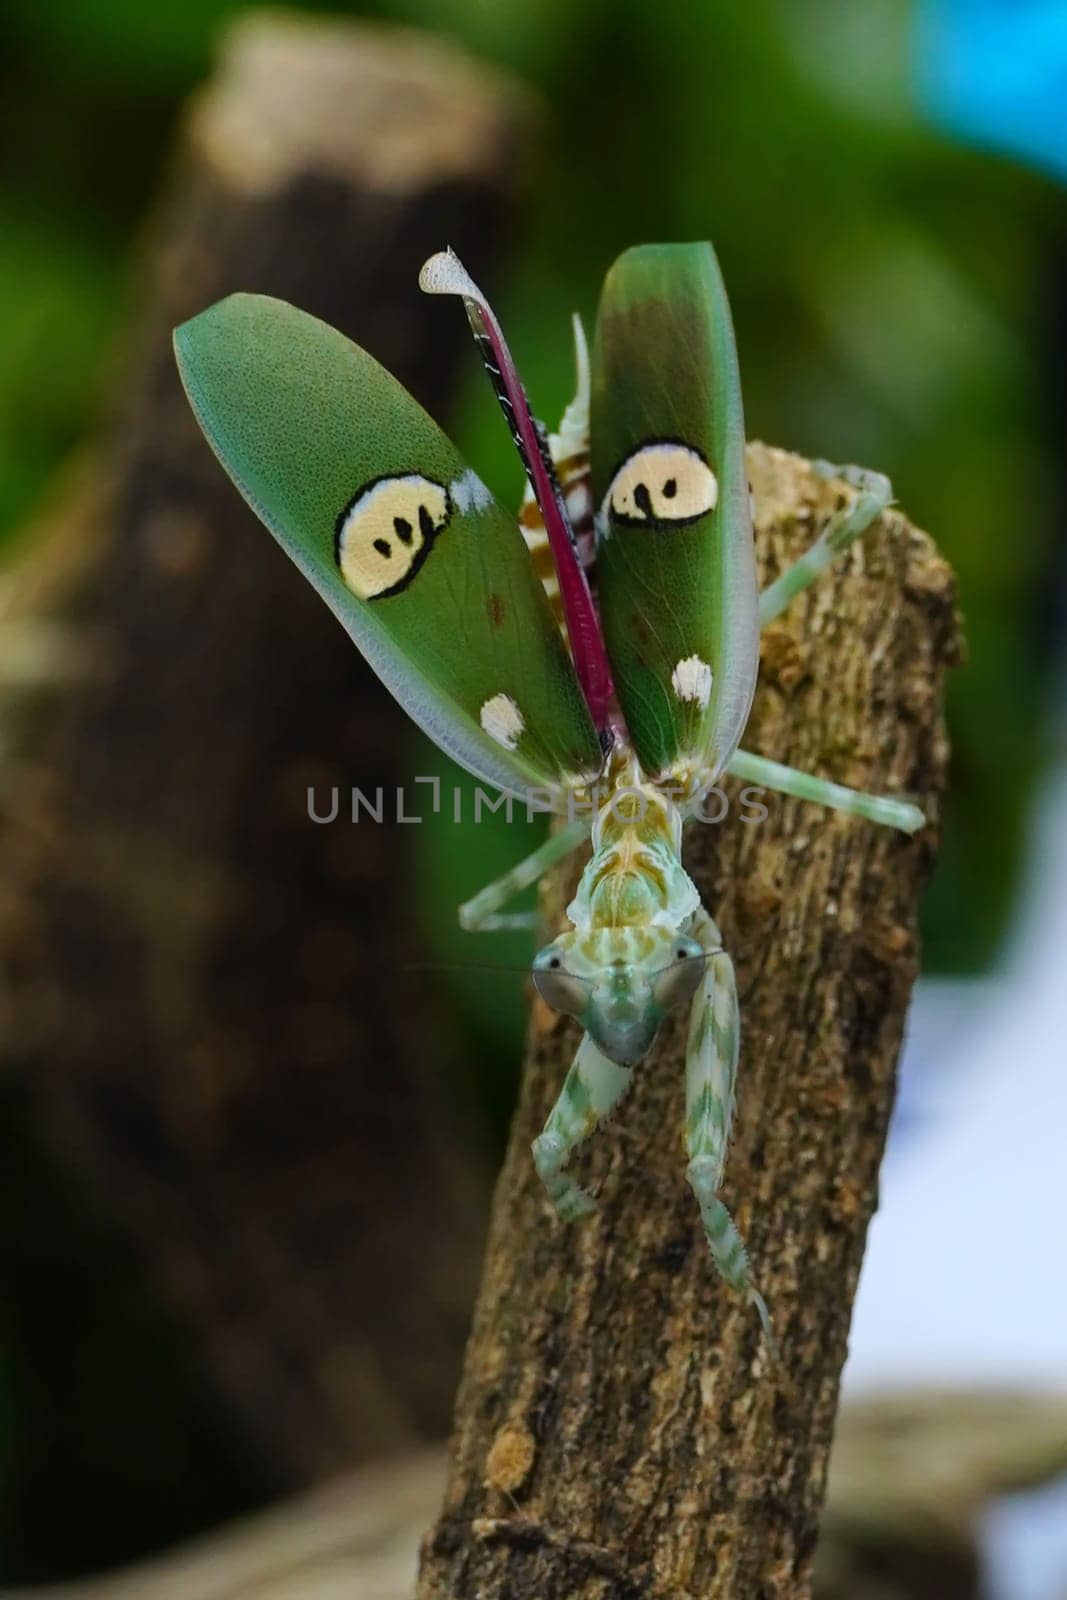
[[600, 651]]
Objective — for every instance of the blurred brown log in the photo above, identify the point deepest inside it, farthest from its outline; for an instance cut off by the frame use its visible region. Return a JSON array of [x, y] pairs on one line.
[[620, 1430], [200, 990], [909, 1477]]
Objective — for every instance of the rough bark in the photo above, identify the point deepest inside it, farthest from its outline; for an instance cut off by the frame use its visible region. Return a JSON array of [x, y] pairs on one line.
[[620, 1430], [201, 994]]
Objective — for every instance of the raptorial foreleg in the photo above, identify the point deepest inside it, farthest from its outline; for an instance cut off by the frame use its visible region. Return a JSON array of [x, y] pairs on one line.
[[710, 1079], [842, 529], [593, 1087], [482, 914]]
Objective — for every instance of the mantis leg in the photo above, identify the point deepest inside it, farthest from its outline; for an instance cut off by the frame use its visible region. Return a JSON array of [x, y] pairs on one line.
[[803, 786], [593, 1087], [482, 914], [710, 1078], [845, 526]]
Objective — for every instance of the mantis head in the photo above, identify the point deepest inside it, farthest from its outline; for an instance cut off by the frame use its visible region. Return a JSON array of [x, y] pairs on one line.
[[619, 983]]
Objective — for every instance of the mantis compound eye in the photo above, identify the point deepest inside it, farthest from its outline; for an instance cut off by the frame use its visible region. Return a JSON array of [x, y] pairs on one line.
[[557, 987], [679, 981]]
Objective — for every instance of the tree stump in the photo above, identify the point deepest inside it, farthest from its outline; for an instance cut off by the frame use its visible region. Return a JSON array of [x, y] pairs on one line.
[[201, 995], [620, 1430]]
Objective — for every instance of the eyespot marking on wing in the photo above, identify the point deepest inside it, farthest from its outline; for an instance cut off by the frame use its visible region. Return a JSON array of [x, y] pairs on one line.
[[502, 720], [665, 482], [691, 680], [386, 532]]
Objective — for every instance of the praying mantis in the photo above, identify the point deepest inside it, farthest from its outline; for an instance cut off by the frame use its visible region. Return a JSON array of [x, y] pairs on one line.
[[599, 651]]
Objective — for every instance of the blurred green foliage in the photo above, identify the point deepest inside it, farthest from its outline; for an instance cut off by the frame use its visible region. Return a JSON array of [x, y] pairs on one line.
[[890, 293]]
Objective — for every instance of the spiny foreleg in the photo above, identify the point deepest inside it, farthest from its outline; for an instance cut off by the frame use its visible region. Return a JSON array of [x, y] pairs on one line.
[[593, 1087], [710, 1080]]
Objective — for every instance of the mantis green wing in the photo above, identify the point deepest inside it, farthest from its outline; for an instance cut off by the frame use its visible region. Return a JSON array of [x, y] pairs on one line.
[[675, 565], [408, 548]]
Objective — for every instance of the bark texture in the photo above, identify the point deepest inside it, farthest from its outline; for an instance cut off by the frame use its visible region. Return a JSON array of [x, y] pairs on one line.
[[200, 991], [620, 1430]]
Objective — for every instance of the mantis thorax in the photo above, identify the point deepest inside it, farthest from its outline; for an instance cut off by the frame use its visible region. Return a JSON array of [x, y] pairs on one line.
[[629, 957]]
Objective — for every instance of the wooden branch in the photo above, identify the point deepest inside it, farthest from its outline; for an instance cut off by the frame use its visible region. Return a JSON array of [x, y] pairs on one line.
[[620, 1430], [201, 992]]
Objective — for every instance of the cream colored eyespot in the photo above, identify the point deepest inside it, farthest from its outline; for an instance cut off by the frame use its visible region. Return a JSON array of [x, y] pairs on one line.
[[386, 532], [666, 482]]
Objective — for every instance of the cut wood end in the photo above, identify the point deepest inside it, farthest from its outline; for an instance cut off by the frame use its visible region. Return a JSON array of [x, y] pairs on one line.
[[387, 108]]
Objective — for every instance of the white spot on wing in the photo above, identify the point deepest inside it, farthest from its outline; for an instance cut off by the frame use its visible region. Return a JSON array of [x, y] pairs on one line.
[[502, 720], [469, 493], [691, 680]]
